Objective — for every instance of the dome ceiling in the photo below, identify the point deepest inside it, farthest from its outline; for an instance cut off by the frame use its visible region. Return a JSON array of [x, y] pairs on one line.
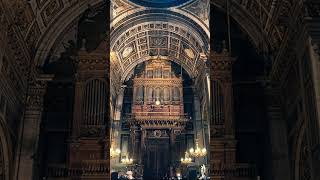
[[159, 3]]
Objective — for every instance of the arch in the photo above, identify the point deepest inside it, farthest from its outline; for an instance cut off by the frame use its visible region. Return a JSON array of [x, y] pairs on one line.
[[149, 34], [246, 21], [6, 149], [155, 15], [49, 37]]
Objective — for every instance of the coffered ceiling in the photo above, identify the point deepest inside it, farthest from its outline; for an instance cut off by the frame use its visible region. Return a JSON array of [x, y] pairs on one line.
[[147, 30]]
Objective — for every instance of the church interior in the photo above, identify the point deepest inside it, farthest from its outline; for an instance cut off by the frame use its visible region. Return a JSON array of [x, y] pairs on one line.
[[159, 89]]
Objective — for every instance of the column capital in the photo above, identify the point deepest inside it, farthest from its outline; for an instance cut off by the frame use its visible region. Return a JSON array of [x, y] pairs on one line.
[[221, 61], [36, 91], [220, 65]]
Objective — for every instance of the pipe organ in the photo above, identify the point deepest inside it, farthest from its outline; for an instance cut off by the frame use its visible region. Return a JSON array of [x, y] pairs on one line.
[[222, 131], [89, 142], [94, 104], [218, 108], [157, 117]]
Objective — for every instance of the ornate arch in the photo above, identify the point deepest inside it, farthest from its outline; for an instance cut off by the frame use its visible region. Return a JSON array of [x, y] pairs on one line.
[[245, 13], [50, 36], [158, 33]]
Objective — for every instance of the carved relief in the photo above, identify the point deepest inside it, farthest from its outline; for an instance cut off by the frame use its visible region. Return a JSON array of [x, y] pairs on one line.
[[40, 3], [32, 36], [153, 39], [23, 16], [118, 7], [201, 9], [51, 10]]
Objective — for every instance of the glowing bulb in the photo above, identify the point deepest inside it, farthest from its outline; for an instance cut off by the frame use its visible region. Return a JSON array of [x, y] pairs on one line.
[[157, 102]]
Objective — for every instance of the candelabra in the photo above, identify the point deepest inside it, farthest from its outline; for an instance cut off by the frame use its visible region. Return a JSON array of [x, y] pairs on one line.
[[198, 152], [127, 161], [186, 159], [114, 152]]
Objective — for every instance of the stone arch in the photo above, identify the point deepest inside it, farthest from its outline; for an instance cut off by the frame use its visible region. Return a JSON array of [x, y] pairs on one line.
[[49, 38], [5, 151], [246, 21]]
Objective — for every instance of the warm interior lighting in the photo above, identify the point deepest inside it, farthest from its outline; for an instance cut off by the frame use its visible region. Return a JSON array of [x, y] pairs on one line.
[[198, 152], [186, 159], [158, 102], [127, 160], [114, 152]]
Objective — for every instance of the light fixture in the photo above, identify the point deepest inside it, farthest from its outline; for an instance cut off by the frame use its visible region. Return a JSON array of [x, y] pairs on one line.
[[198, 152], [114, 152], [127, 160], [178, 176], [158, 102], [186, 159]]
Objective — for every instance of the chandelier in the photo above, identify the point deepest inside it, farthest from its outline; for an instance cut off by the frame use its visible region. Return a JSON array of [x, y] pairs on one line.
[[186, 159], [127, 160], [114, 152], [198, 152]]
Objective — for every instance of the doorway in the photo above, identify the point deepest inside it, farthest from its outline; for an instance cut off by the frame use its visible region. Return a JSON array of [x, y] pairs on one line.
[[157, 158]]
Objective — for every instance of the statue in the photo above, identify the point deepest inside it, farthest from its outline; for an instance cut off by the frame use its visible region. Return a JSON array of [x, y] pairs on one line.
[[203, 173]]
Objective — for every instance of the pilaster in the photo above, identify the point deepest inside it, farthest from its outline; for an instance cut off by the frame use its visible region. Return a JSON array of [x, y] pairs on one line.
[[27, 160], [278, 135]]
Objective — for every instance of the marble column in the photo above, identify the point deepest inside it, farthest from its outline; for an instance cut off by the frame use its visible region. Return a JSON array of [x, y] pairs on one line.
[[27, 168]]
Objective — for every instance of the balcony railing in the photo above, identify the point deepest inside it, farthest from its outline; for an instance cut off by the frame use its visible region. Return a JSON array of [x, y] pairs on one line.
[[87, 168], [240, 170], [157, 116]]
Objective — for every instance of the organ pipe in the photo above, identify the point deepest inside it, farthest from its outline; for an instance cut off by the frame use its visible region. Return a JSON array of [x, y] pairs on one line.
[[94, 106]]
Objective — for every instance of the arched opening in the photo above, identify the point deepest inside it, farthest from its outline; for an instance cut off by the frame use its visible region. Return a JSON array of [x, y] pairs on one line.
[[158, 121]]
